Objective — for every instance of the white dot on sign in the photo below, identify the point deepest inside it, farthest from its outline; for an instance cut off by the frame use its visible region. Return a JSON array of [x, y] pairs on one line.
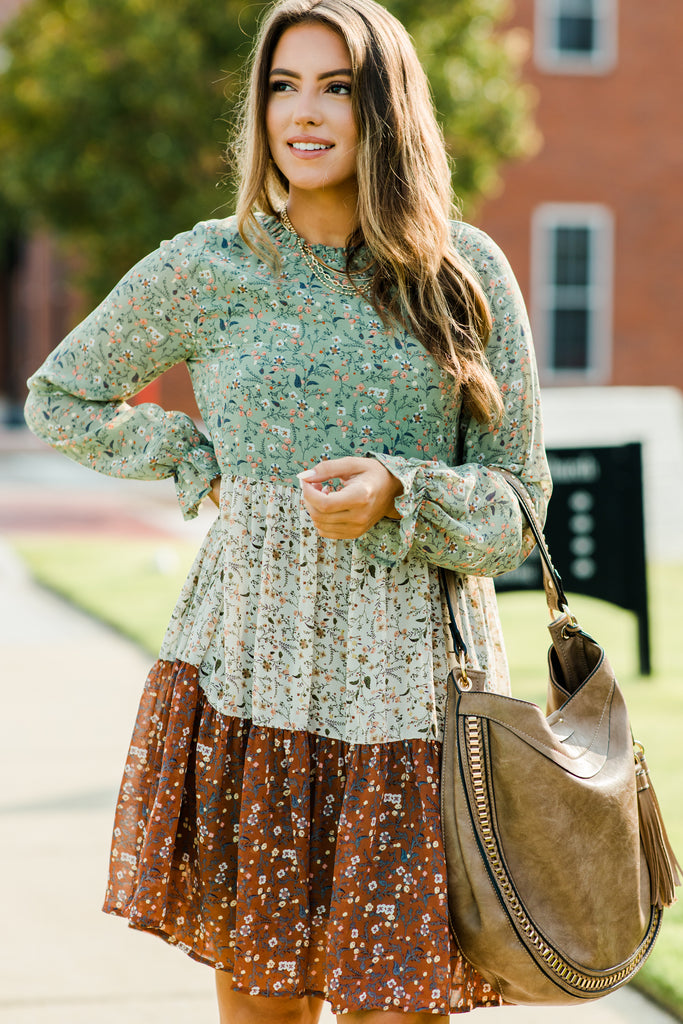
[[581, 524], [580, 501], [582, 546], [583, 568]]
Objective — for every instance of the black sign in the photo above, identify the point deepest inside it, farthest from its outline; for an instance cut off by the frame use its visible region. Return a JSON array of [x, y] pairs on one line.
[[595, 532]]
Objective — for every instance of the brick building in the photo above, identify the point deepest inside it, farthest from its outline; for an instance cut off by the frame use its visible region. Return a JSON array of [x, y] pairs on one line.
[[592, 224]]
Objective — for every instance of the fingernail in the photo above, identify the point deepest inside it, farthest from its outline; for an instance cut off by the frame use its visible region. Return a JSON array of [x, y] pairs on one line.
[[307, 474]]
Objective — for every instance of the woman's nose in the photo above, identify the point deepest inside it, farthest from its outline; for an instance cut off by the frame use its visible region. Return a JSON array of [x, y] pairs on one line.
[[307, 110]]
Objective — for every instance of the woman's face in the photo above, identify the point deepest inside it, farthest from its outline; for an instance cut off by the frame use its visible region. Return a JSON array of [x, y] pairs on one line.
[[309, 118]]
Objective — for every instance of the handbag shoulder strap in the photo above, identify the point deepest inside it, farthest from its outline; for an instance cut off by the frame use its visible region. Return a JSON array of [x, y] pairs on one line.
[[552, 581]]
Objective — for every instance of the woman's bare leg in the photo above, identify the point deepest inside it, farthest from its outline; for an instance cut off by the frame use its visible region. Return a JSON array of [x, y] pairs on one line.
[[389, 1017], [238, 1008]]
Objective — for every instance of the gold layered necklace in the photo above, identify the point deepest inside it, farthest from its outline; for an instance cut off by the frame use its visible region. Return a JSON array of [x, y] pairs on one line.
[[329, 276]]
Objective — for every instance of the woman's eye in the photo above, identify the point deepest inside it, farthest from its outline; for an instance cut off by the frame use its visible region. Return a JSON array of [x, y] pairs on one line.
[[336, 88]]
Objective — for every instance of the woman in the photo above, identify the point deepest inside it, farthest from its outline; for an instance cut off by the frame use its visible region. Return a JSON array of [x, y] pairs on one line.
[[361, 365]]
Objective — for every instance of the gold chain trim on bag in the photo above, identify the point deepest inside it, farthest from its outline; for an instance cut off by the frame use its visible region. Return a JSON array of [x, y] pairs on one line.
[[567, 972]]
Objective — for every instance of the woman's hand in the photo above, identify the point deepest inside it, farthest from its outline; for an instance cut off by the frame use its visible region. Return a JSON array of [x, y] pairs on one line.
[[366, 496], [215, 492]]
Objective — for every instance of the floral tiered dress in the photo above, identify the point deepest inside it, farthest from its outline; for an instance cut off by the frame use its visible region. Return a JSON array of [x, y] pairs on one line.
[[279, 813]]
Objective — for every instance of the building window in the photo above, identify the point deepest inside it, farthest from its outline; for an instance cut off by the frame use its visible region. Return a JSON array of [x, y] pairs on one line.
[[571, 276], [576, 36]]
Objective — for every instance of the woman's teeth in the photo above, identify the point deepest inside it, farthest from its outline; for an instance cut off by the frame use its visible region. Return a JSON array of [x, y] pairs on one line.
[[309, 145]]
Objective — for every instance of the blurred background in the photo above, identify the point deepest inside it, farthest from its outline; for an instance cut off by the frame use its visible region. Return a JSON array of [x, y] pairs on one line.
[[564, 121]]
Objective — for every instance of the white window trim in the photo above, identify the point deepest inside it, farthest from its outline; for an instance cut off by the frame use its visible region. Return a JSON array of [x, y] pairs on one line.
[[546, 218], [548, 58]]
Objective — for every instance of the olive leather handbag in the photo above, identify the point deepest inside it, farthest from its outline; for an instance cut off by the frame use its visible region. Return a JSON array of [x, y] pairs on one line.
[[557, 857]]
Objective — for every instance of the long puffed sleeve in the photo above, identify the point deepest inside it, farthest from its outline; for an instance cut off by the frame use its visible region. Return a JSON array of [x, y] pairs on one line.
[[466, 517], [77, 399]]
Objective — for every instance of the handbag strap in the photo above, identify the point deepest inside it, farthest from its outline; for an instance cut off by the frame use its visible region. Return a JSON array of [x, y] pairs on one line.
[[552, 581], [449, 581]]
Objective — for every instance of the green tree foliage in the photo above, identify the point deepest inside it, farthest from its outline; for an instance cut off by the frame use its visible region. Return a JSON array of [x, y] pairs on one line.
[[474, 68], [114, 113]]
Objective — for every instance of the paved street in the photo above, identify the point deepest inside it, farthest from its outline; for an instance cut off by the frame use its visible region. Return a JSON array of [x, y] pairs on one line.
[[70, 688]]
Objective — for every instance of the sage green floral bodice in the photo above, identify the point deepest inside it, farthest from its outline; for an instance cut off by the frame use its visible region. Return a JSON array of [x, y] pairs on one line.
[[287, 372]]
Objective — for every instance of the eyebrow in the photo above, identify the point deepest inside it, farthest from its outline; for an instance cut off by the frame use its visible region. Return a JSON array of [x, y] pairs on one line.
[[325, 74]]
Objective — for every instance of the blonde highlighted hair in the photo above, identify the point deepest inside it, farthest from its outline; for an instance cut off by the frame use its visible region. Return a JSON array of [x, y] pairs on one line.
[[405, 198]]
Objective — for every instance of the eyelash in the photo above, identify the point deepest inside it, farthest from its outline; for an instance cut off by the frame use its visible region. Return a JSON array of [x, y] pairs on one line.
[[283, 86]]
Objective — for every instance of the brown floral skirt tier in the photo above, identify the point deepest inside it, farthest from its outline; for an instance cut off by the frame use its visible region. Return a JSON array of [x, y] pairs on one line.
[[298, 863]]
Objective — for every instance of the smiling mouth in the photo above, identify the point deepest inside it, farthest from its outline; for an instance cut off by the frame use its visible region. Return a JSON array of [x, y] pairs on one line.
[[309, 146]]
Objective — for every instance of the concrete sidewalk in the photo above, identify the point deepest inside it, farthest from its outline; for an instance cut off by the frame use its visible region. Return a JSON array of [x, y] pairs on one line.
[[70, 689]]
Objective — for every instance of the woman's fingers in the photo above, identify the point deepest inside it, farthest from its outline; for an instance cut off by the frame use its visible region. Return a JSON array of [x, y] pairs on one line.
[[353, 519], [338, 514], [357, 506], [333, 501], [366, 496], [331, 469]]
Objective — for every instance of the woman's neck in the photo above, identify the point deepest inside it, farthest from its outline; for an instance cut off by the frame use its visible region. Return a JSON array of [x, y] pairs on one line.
[[322, 219]]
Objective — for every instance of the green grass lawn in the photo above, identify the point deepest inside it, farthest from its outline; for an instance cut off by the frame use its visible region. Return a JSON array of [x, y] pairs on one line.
[[132, 585]]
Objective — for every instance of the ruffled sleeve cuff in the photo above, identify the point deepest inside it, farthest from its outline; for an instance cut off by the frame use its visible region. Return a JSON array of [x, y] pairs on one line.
[[389, 541], [193, 478]]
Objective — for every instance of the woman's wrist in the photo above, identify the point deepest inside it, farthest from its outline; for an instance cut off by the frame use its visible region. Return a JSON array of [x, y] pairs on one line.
[[391, 511], [215, 492]]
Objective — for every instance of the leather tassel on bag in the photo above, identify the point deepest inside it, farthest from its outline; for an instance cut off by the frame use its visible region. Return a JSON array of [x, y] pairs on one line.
[[665, 871]]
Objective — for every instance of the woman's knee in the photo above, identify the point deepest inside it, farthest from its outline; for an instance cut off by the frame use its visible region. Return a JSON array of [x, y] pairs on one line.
[[239, 1008], [389, 1017]]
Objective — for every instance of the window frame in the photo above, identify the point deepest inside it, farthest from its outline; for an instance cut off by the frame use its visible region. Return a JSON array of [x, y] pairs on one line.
[[546, 219], [547, 55]]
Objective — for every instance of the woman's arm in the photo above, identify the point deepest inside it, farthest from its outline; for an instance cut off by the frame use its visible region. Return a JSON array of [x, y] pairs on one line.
[[77, 399], [466, 517]]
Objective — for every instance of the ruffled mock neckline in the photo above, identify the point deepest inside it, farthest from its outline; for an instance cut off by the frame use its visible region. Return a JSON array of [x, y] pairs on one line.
[[335, 255]]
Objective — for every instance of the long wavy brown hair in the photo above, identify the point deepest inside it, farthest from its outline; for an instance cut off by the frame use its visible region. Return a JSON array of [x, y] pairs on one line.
[[405, 197]]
